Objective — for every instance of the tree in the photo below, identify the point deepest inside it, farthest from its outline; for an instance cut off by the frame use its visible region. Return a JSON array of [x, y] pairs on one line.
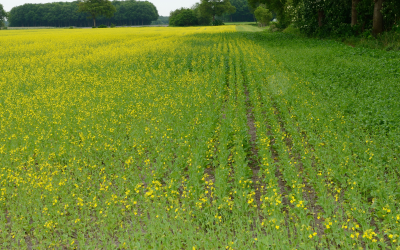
[[3, 16], [377, 26], [215, 8], [183, 17], [278, 7], [263, 15], [67, 14], [244, 13], [97, 8], [354, 12], [203, 18]]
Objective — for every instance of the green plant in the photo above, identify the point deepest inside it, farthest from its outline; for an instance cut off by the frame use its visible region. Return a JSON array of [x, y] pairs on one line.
[[220, 140], [183, 17], [102, 26], [217, 22], [263, 15], [112, 25]]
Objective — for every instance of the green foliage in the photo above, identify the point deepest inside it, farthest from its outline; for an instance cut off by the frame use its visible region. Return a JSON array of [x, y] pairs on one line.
[[336, 20], [263, 15], [183, 17], [330, 17], [112, 25], [3, 16], [217, 22], [396, 28], [97, 8], [102, 26], [243, 12], [391, 14], [215, 8], [389, 41], [135, 13], [66, 14], [336, 17], [291, 29], [361, 82], [162, 20], [221, 140], [204, 19], [279, 7]]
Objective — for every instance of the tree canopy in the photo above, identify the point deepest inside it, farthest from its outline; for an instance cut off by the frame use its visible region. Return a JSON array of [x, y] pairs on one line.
[[243, 13], [215, 8], [3, 16], [96, 8], [335, 17], [183, 17], [263, 15], [64, 14]]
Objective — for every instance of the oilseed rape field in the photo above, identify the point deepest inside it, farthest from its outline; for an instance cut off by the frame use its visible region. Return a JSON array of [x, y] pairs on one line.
[[186, 138]]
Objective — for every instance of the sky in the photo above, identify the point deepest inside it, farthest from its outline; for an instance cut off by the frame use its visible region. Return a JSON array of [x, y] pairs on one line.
[[163, 6]]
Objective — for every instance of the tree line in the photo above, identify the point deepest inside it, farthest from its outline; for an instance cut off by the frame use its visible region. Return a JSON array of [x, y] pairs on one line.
[[212, 12], [335, 17], [3, 16], [64, 14]]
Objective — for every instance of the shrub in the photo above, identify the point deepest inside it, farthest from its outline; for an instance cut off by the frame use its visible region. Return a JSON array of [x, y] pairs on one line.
[[112, 25], [217, 22], [103, 26], [291, 29]]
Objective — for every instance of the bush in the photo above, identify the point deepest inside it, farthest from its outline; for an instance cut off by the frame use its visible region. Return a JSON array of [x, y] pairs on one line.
[[273, 27], [103, 26], [217, 22], [396, 28], [71, 27], [112, 25], [291, 29]]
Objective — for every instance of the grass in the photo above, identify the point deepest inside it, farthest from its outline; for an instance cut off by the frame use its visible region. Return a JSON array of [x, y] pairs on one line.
[[386, 41], [248, 28], [241, 23], [196, 138]]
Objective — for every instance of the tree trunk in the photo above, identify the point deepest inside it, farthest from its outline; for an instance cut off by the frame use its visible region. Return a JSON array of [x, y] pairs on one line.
[[377, 26], [354, 12], [320, 17], [94, 22]]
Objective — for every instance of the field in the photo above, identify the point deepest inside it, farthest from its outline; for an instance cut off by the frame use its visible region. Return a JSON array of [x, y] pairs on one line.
[[196, 138]]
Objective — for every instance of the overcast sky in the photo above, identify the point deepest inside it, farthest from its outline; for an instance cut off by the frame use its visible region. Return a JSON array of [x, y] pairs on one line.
[[163, 6]]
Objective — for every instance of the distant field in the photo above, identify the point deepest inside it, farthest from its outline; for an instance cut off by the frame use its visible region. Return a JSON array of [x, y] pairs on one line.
[[196, 138], [240, 23], [248, 28]]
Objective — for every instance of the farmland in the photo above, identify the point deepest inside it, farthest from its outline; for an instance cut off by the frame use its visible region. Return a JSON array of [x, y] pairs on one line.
[[196, 138]]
